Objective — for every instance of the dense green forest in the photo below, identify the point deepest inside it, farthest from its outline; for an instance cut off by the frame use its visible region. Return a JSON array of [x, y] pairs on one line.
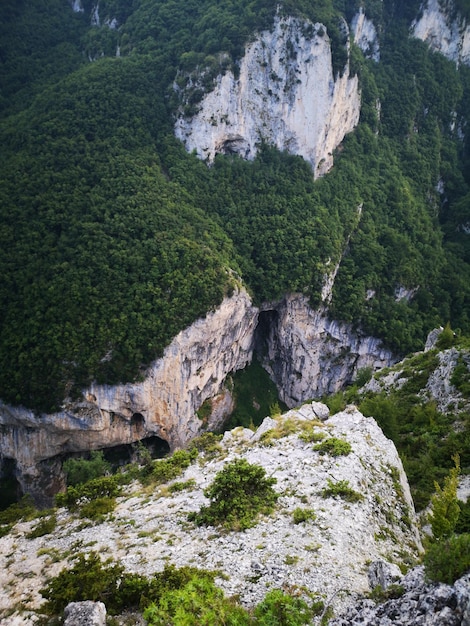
[[113, 238]]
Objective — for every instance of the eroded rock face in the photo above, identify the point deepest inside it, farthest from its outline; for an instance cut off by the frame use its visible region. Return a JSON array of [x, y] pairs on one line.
[[423, 603], [365, 35], [305, 352], [164, 404], [86, 613], [286, 95], [309, 355], [444, 30]]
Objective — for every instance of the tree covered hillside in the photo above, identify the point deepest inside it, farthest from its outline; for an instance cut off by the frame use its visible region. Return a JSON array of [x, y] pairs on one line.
[[113, 238]]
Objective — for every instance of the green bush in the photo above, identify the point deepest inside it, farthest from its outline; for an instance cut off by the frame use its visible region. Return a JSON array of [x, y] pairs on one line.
[[22, 510], [334, 447], [303, 515], [198, 602], [171, 467], [79, 471], [445, 339], [209, 443], [88, 579], [445, 509], [98, 508], [280, 609], [448, 559], [312, 436], [463, 523], [105, 487], [342, 489], [45, 526], [239, 493], [182, 486]]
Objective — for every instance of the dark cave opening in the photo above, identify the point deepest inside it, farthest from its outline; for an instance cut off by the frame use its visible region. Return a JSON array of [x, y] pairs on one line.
[[124, 454], [264, 333], [10, 488]]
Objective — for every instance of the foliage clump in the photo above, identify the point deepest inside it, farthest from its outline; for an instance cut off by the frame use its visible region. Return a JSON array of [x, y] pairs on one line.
[[447, 560], [343, 490], [445, 509], [164, 470], [239, 493], [79, 471], [281, 609], [448, 554], [334, 447], [45, 526], [303, 515], [183, 596], [208, 443], [197, 602], [93, 499]]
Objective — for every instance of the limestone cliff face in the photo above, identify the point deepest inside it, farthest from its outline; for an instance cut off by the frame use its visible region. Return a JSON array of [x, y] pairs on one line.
[[309, 355], [164, 404], [305, 352], [286, 95], [444, 30], [329, 556], [365, 35]]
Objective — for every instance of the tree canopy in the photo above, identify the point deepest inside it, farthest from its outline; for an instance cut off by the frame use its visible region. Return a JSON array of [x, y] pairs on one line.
[[113, 238]]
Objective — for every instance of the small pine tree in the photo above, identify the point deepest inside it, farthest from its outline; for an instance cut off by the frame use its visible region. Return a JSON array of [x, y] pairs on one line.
[[444, 504]]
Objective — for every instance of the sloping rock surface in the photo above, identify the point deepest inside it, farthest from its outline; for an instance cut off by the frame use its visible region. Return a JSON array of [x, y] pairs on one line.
[[328, 556]]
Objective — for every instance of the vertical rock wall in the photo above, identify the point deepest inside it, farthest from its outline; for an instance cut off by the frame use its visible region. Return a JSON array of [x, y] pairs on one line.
[[444, 30], [286, 95], [309, 355]]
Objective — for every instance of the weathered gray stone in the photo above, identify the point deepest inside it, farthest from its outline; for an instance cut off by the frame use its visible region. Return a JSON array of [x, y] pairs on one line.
[[272, 99], [383, 574], [86, 613]]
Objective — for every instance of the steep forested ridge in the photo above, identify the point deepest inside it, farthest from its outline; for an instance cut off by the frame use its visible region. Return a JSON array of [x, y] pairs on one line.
[[113, 238]]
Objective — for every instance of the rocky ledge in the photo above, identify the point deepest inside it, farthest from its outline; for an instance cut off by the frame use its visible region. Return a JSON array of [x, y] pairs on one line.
[[329, 556], [422, 604]]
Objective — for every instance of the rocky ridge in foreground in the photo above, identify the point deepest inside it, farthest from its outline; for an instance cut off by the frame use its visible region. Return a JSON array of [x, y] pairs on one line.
[[329, 556]]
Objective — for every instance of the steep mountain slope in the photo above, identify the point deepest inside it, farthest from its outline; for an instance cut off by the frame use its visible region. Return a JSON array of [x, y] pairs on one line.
[[114, 238]]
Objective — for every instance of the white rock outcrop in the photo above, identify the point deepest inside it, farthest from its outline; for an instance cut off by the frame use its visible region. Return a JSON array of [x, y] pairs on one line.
[[192, 369], [309, 355], [329, 555], [285, 95], [306, 353], [443, 30], [365, 35]]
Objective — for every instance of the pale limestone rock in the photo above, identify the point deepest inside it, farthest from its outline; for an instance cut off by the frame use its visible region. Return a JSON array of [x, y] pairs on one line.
[[331, 553], [267, 424], [365, 35], [86, 613], [320, 411], [383, 574], [285, 95], [309, 355], [431, 339], [443, 32], [306, 354], [77, 6], [193, 368]]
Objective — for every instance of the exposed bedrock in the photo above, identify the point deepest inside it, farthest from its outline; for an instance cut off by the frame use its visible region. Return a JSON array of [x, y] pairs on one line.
[[286, 94], [308, 354], [305, 352]]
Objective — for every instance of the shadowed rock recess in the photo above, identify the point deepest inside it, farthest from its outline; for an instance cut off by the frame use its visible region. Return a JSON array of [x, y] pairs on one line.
[[305, 352]]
